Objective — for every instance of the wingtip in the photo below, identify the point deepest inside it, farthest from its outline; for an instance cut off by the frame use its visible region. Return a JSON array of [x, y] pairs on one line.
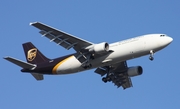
[[31, 23], [5, 57]]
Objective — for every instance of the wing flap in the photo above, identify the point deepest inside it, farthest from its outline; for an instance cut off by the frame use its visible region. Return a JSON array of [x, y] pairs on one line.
[[100, 71], [127, 83], [123, 80], [59, 40]]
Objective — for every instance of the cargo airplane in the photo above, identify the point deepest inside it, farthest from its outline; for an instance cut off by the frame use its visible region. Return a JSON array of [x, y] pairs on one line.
[[108, 59]]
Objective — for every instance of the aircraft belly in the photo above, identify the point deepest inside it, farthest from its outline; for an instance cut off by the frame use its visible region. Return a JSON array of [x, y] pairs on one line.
[[70, 65]]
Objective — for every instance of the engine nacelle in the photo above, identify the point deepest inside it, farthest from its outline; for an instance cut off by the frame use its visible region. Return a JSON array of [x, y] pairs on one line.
[[134, 71], [99, 48]]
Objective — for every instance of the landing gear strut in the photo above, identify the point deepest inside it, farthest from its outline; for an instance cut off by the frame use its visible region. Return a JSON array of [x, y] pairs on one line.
[[86, 64], [109, 75], [151, 55]]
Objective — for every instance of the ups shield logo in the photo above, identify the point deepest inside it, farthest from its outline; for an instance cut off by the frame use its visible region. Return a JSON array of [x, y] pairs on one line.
[[31, 55]]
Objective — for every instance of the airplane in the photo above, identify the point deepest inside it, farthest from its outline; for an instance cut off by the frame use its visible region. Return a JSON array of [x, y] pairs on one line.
[[108, 59]]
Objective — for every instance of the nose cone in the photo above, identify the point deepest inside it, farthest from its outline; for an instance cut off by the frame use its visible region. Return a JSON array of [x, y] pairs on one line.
[[169, 40], [166, 41]]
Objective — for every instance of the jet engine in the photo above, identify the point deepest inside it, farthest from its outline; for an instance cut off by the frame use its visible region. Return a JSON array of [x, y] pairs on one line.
[[134, 71], [99, 48]]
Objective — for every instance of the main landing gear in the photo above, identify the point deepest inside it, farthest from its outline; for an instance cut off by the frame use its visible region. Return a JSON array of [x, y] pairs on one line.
[[106, 79], [151, 55], [109, 75]]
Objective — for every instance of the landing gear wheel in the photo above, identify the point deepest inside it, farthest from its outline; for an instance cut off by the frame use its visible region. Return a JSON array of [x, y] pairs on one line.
[[151, 58], [104, 80], [151, 55], [108, 79]]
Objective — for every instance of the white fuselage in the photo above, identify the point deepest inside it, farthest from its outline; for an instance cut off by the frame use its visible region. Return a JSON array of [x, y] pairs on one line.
[[122, 51]]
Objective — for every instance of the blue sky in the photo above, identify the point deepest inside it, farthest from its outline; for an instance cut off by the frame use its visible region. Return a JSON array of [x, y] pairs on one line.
[[95, 21]]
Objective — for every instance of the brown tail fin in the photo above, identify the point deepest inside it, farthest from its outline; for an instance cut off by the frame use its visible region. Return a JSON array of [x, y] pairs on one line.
[[33, 55]]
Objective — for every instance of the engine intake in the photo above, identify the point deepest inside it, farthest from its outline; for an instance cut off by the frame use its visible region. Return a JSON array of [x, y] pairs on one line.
[[99, 48], [134, 71]]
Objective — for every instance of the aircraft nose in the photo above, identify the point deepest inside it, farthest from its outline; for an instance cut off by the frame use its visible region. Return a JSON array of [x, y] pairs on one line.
[[169, 40], [166, 41]]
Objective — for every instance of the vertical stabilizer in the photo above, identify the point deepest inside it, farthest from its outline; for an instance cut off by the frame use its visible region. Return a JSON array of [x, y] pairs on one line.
[[33, 55]]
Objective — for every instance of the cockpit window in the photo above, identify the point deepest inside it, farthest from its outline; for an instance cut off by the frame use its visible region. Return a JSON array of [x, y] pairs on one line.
[[162, 35]]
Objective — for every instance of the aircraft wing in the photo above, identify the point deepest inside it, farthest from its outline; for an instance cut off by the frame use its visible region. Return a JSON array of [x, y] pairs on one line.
[[61, 38], [120, 76]]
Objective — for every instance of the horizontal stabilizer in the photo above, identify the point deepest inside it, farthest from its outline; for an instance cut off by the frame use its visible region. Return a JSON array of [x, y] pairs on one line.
[[20, 63], [37, 76]]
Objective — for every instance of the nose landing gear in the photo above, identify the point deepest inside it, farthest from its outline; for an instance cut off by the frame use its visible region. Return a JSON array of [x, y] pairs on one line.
[[151, 55]]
